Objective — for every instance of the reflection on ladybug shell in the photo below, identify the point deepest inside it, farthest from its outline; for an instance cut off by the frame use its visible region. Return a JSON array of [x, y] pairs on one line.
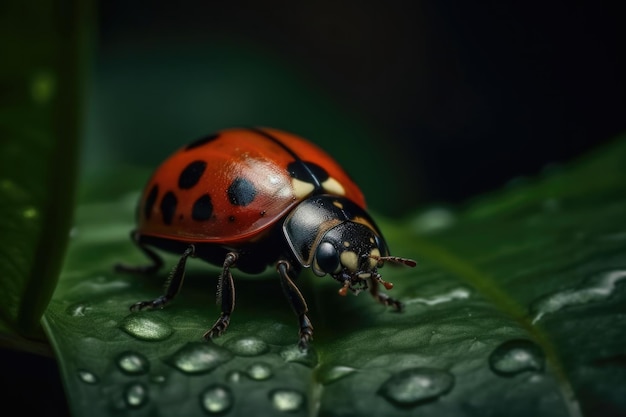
[[230, 187]]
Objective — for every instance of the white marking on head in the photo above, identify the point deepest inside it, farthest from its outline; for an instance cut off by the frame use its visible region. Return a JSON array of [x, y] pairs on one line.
[[375, 254], [350, 260]]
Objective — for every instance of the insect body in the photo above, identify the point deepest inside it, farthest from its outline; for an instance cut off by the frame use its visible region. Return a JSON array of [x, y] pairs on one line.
[[248, 198]]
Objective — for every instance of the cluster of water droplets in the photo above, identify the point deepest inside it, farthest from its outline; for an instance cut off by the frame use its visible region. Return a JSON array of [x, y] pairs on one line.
[[219, 396]]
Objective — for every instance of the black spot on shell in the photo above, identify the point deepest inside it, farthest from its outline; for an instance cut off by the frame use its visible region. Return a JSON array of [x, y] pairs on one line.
[[302, 170], [202, 141], [241, 192], [191, 174], [202, 209], [231, 218], [168, 207], [150, 200]]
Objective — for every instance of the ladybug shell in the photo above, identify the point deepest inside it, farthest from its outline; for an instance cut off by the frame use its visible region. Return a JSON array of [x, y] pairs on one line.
[[230, 187]]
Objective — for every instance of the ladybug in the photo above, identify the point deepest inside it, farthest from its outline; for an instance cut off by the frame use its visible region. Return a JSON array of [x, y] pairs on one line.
[[248, 198]]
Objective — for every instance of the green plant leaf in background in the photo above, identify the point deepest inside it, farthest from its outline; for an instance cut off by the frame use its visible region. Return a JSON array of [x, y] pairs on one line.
[[41, 78], [516, 308]]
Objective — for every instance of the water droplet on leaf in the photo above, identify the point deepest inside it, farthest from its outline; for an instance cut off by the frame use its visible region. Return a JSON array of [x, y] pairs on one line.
[[135, 395], [287, 400], [216, 399], [199, 357], [144, 327], [233, 377], [259, 371], [515, 356], [132, 363], [416, 386], [335, 374], [249, 346], [87, 377]]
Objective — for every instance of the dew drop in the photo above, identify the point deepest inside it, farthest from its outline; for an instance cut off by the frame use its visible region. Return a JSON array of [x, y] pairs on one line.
[[135, 395], [515, 356], [287, 400], [249, 346], [233, 377], [598, 288], [416, 386], [293, 353], [133, 363], [259, 371], [216, 399], [158, 379], [335, 374], [87, 377], [146, 327], [199, 357]]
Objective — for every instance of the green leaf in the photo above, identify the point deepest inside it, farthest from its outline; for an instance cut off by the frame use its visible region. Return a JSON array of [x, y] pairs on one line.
[[514, 309], [40, 112]]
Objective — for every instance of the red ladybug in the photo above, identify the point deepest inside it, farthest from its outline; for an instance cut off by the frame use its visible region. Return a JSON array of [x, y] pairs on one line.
[[248, 198]]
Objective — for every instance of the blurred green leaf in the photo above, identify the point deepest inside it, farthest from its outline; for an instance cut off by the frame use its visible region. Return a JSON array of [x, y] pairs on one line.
[[515, 309], [41, 76]]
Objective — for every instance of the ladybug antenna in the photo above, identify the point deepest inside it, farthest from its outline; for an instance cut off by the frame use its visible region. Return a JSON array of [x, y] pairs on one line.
[[388, 285], [395, 259]]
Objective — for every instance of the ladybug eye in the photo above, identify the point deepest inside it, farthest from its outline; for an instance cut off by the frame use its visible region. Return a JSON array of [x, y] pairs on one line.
[[327, 258]]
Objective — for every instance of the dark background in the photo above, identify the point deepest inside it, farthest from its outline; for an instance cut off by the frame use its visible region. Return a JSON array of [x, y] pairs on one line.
[[424, 102]]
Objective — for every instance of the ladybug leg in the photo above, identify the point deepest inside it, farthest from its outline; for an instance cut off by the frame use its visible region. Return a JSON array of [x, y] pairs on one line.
[[157, 261], [298, 304], [383, 298], [226, 297], [172, 286]]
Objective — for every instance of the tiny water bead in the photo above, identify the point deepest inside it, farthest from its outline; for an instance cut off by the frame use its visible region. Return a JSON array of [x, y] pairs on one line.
[[87, 377], [414, 386], [248, 346], [335, 374], [199, 357], [598, 288], [515, 356], [146, 327], [135, 395], [287, 400], [233, 377], [259, 371], [216, 399], [133, 363]]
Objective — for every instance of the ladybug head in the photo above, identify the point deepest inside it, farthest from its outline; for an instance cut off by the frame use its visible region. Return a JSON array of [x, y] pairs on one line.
[[351, 253]]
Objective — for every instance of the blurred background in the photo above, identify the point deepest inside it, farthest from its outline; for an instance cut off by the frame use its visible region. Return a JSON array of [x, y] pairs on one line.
[[424, 102]]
